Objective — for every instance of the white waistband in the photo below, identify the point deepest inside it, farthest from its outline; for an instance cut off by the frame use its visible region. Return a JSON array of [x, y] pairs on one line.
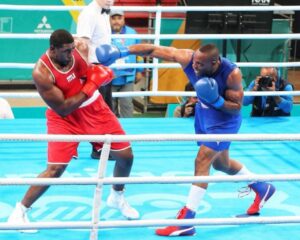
[[91, 99]]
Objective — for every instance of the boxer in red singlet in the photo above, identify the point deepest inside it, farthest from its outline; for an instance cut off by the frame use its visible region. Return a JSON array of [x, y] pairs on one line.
[[69, 86]]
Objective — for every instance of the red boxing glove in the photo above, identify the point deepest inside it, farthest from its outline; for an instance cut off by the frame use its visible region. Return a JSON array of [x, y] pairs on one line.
[[111, 75], [97, 76]]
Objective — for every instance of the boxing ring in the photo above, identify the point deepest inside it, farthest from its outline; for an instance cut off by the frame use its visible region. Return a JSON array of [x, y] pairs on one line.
[[73, 203], [164, 152]]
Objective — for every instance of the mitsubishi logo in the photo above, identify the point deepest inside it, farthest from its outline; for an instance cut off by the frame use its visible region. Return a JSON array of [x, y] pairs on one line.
[[43, 26], [44, 23]]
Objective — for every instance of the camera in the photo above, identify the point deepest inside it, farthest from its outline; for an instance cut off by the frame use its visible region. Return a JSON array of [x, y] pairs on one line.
[[265, 81], [193, 105], [190, 105]]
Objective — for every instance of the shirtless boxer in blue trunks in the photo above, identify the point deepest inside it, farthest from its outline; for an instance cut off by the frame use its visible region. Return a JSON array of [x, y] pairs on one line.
[[218, 83]]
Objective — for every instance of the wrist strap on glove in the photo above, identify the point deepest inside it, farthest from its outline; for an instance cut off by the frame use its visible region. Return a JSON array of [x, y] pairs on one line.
[[219, 102]]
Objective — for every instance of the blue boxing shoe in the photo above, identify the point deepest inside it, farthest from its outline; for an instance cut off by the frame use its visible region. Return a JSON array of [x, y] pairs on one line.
[[263, 192], [184, 213]]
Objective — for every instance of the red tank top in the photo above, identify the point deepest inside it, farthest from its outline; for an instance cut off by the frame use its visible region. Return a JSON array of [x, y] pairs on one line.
[[71, 81]]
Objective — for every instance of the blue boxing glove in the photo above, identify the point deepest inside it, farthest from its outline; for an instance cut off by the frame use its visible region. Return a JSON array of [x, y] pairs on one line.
[[108, 54], [207, 89]]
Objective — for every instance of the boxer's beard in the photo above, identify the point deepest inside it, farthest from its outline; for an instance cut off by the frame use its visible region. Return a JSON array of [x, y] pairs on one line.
[[64, 63]]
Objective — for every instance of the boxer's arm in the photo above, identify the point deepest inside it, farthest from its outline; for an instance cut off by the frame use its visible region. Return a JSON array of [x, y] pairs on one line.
[[171, 54], [52, 95], [108, 54], [235, 94], [82, 46]]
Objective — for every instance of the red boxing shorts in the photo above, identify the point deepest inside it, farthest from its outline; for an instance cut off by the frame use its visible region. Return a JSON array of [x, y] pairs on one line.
[[93, 119]]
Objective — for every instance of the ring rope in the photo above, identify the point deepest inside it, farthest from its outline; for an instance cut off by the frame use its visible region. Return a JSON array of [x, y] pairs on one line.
[[148, 180], [153, 222], [153, 93], [167, 36], [151, 137], [154, 8], [164, 65], [98, 190]]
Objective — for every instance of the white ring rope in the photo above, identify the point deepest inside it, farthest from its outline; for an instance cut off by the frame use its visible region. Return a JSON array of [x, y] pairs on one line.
[[154, 8], [149, 180], [206, 36], [164, 65], [98, 190], [153, 93], [154, 222], [167, 36], [150, 137]]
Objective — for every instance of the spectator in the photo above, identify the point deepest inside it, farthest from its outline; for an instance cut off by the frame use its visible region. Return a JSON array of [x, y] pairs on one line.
[[5, 110], [125, 77], [269, 80], [187, 109]]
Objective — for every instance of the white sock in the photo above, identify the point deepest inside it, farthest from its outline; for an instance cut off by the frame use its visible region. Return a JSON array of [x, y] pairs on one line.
[[24, 209], [244, 171], [195, 197], [117, 193]]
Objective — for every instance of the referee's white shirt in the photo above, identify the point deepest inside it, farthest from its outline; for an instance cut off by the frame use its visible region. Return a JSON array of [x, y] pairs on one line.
[[95, 26]]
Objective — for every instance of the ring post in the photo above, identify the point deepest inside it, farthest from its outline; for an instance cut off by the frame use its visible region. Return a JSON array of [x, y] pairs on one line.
[[99, 187]]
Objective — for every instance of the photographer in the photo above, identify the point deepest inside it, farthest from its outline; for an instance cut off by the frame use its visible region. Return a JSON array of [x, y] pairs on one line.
[[187, 109], [269, 80]]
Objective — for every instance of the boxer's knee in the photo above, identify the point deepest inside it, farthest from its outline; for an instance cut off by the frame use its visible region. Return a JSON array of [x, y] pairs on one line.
[[221, 165], [55, 170], [124, 157]]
